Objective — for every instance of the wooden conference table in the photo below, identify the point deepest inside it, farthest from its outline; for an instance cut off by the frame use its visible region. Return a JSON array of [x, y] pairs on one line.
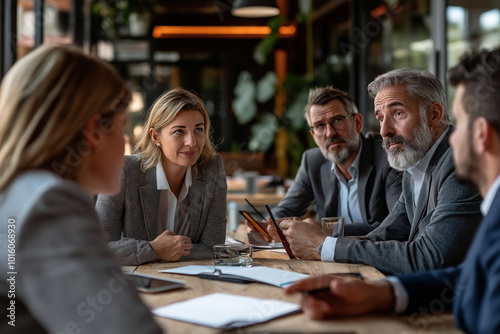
[[297, 323]]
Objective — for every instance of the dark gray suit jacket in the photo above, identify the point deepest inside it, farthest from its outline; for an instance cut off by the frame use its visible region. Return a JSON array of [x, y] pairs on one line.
[[378, 190], [434, 234], [130, 218], [66, 277]]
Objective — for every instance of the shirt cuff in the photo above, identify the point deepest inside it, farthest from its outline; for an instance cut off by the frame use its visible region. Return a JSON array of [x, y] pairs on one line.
[[400, 294], [328, 249]]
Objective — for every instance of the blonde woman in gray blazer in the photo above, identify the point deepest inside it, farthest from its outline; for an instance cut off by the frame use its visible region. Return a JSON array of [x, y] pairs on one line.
[[172, 201], [61, 139]]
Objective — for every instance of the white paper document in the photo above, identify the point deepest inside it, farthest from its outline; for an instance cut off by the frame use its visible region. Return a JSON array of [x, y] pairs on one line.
[[224, 311], [272, 276]]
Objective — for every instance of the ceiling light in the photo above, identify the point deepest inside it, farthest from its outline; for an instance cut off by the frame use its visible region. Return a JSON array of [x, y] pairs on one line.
[[255, 8]]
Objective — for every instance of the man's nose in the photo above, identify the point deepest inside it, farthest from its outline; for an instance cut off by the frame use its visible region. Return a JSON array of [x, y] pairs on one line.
[[387, 128], [330, 131]]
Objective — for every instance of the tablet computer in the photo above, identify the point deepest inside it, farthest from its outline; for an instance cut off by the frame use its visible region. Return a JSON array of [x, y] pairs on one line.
[[154, 284]]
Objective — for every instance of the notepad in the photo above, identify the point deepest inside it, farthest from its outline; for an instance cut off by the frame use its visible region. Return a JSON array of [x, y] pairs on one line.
[[225, 311], [272, 276]]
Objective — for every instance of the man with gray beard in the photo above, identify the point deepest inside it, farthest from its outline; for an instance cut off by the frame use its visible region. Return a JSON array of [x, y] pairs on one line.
[[434, 220], [348, 175]]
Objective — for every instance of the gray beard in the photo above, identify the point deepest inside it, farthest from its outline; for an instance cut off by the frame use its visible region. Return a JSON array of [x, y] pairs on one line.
[[415, 148], [341, 156]]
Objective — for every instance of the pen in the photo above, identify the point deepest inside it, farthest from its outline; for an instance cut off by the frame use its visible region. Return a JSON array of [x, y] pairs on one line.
[[280, 234], [254, 209]]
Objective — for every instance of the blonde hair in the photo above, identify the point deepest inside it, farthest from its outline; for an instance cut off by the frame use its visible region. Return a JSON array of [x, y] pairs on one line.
[[46, 99], [162, 113]]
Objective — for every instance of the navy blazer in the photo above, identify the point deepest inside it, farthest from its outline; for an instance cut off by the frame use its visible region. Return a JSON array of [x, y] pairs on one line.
[[472, 289], [379, 187]]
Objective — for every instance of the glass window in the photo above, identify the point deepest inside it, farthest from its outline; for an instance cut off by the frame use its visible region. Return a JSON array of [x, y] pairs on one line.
[[473, 24], [55, 23]]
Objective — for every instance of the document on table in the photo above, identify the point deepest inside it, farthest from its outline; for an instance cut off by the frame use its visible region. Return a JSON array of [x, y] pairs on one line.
[[272, 276], [225, 311]]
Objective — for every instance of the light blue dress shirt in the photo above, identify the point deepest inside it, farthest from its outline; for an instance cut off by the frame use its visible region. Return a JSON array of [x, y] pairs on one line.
[[348, 202]]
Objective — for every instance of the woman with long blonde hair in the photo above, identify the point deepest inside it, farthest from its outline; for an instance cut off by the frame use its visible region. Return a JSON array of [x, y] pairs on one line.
[[172, 202], [61, 139]]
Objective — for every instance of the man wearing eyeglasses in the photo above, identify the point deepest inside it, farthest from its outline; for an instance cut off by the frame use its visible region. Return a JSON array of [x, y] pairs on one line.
[[347, 175], [434, 220]]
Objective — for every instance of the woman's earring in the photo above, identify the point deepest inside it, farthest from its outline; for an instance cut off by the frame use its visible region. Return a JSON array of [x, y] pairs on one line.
[[157, 144]]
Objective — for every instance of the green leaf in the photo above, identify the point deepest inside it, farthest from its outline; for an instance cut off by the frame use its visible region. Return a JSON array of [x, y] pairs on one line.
[[263, 133], [295, 112], [266, 87], [244, 105], [267, 44]]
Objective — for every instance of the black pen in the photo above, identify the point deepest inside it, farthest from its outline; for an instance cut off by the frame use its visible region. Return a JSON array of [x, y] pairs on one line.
[[254, 209]]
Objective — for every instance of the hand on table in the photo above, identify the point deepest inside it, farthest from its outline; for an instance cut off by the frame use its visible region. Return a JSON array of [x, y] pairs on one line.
[[304, 237], [346, 296], [170, 246]]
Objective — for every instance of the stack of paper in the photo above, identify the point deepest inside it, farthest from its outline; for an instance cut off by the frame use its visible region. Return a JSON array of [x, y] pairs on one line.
[[225, 312]]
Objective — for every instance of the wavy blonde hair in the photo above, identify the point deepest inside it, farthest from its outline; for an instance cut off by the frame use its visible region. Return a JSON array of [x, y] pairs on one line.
[[46, 99], [162, 113]]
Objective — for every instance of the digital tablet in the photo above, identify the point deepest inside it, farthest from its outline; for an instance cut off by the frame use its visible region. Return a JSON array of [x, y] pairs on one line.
[[153, 284]]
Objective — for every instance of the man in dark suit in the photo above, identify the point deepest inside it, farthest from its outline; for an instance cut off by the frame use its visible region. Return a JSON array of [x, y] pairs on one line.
[[347, 175], [472, 289], [434, 220]]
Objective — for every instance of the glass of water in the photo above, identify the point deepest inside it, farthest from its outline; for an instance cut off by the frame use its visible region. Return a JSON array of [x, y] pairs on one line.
[[333, 226], [238, 255]]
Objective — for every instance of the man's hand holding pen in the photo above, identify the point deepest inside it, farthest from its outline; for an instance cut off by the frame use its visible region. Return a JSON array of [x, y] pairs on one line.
[[330, 296]]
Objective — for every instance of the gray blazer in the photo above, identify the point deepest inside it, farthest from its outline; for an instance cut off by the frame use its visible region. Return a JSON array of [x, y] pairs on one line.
[[130, 218], [378, 190], [435, 233], [62, 263]]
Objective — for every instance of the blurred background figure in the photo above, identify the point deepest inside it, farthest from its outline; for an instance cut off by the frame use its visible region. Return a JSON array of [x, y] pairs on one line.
[[61, 139]]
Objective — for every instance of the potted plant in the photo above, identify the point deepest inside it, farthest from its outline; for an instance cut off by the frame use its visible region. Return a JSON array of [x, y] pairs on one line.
[[139, 14], [115, 13]]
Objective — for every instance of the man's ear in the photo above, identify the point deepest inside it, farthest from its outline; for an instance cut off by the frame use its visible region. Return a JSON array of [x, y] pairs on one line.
[[93, 131], [436, 114], [482, 135], [358, 121]]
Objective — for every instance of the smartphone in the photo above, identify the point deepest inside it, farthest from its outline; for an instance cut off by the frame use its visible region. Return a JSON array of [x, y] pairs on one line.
[[254, 223], [153, 284]]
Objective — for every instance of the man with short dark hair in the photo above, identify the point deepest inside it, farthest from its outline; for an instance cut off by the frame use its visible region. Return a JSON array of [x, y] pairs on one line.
[[472, 289]]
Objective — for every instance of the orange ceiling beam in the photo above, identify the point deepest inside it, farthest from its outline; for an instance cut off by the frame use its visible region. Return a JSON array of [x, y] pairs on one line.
[[220, 31]]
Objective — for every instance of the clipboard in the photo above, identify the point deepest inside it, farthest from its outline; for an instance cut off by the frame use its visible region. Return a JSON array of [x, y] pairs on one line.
[[219, 276]]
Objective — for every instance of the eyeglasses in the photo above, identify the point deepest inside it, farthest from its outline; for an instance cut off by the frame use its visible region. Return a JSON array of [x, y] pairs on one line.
[[337, 123]]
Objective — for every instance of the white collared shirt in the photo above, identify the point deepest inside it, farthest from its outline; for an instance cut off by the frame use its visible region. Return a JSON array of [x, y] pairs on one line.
[[173, 212]]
